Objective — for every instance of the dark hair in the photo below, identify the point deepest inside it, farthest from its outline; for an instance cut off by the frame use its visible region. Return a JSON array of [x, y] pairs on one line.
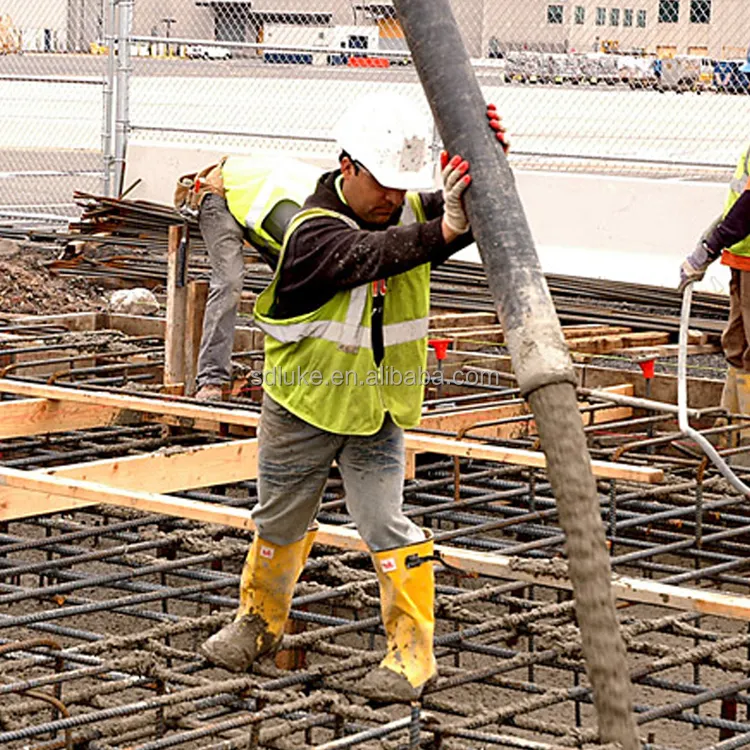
[[346, 154]]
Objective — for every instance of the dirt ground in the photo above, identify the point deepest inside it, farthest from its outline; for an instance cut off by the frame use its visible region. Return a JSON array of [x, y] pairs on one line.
[[27, 287]]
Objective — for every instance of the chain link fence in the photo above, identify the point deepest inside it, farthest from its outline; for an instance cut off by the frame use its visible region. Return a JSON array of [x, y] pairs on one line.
[[54, 95], [636, 86]]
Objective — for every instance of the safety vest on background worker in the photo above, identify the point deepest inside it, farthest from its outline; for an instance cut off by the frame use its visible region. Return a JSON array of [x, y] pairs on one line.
[[333, 346], [265, 192], [737, 186]]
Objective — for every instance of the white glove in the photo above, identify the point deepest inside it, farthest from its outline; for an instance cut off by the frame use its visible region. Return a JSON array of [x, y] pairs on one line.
[[694, 267], [455, 180]]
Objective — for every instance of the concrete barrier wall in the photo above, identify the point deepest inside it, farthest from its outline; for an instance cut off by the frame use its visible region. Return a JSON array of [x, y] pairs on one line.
[[622, 228]]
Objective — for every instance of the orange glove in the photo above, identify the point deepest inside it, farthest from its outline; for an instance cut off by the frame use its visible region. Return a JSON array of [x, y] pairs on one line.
[[496, 123]]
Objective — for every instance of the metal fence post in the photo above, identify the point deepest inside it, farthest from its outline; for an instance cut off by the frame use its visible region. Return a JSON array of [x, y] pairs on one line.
[[109, 88], [122, 112]]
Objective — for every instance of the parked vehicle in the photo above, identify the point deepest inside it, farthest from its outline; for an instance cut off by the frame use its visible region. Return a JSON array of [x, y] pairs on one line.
[[683, 73], [207, 52], [729, 78], [600, 67], [10, 38], [314, 45]]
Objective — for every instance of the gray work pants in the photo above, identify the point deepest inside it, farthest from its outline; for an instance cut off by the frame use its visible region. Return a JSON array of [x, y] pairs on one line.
[[223, 236], [293, 464]]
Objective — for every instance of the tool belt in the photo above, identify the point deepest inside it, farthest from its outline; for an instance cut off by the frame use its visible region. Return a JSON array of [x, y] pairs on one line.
[[192, 188]]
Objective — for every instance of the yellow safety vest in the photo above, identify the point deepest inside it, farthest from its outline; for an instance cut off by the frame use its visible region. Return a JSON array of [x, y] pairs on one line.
[[255, 185], [736, 187], [320, 365]]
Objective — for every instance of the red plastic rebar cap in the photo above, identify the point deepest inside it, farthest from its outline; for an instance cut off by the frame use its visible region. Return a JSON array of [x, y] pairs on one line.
[[647, 368], [440, 346]]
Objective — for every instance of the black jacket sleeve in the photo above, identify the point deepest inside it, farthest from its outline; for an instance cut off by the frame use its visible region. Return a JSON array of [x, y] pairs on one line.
[[735, 226]]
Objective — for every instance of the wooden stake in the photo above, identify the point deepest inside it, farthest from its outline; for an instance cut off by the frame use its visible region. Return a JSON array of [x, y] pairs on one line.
[[174, 344]]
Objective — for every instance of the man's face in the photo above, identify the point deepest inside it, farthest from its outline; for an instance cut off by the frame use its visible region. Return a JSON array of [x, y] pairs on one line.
[[372, 202]]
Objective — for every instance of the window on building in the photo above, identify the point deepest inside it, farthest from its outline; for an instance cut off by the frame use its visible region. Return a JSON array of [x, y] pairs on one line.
[[641, 19], [580, 15], [700, 11], [627, 17], [601, 16], [669, 11], [614, 16], [554, 14]]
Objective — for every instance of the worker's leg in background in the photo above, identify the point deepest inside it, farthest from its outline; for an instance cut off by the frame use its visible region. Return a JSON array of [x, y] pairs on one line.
[[735, 397], [293, 464], [372, 468], [223, 236]]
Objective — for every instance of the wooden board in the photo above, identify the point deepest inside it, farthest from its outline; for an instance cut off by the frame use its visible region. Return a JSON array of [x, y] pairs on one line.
[[40, 416], [459, 420], [172, 471], [519, 457], [486, 563], [187, 411]]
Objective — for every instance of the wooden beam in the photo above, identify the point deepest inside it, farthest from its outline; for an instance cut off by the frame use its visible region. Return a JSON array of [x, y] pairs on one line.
[[487, 563], [668, 350], [607, 344], [187, 412], [174, 345], [519, 457], [456, 421], [191, 413], [197, 295], [40, 416], [452, 320], [190, 468]]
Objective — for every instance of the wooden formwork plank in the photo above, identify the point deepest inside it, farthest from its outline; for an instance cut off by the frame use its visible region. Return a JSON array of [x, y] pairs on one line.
[[454, 320], [212, 414], [195, 309], [484, 563], [174, 408], [174, 343], [189, 468], [458, 420], [588, 331], [40, 416], [607, 344], [520, 457]]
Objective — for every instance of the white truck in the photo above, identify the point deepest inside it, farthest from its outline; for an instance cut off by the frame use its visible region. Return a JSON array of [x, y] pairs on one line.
[[317, 45]]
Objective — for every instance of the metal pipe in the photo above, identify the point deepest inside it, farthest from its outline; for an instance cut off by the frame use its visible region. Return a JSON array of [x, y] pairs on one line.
[[107, 95], [122, 111]]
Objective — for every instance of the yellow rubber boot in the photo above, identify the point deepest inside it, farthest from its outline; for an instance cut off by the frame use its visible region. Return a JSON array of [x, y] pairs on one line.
[[743, 407], [407, 601], [266, 588]]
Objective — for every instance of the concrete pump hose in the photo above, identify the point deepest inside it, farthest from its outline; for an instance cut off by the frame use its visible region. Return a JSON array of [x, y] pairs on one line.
[[540, 357]]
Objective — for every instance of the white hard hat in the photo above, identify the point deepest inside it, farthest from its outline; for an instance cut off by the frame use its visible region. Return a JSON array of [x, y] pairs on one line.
[[389, 135]]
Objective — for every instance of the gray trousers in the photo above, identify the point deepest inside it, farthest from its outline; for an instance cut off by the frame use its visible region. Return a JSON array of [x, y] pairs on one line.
[[735, 340], [293, 464], [223, 236]]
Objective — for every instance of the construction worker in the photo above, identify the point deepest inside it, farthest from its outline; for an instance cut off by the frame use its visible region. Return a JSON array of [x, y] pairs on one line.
[[346, 320], [729, 237], [240, 199]]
